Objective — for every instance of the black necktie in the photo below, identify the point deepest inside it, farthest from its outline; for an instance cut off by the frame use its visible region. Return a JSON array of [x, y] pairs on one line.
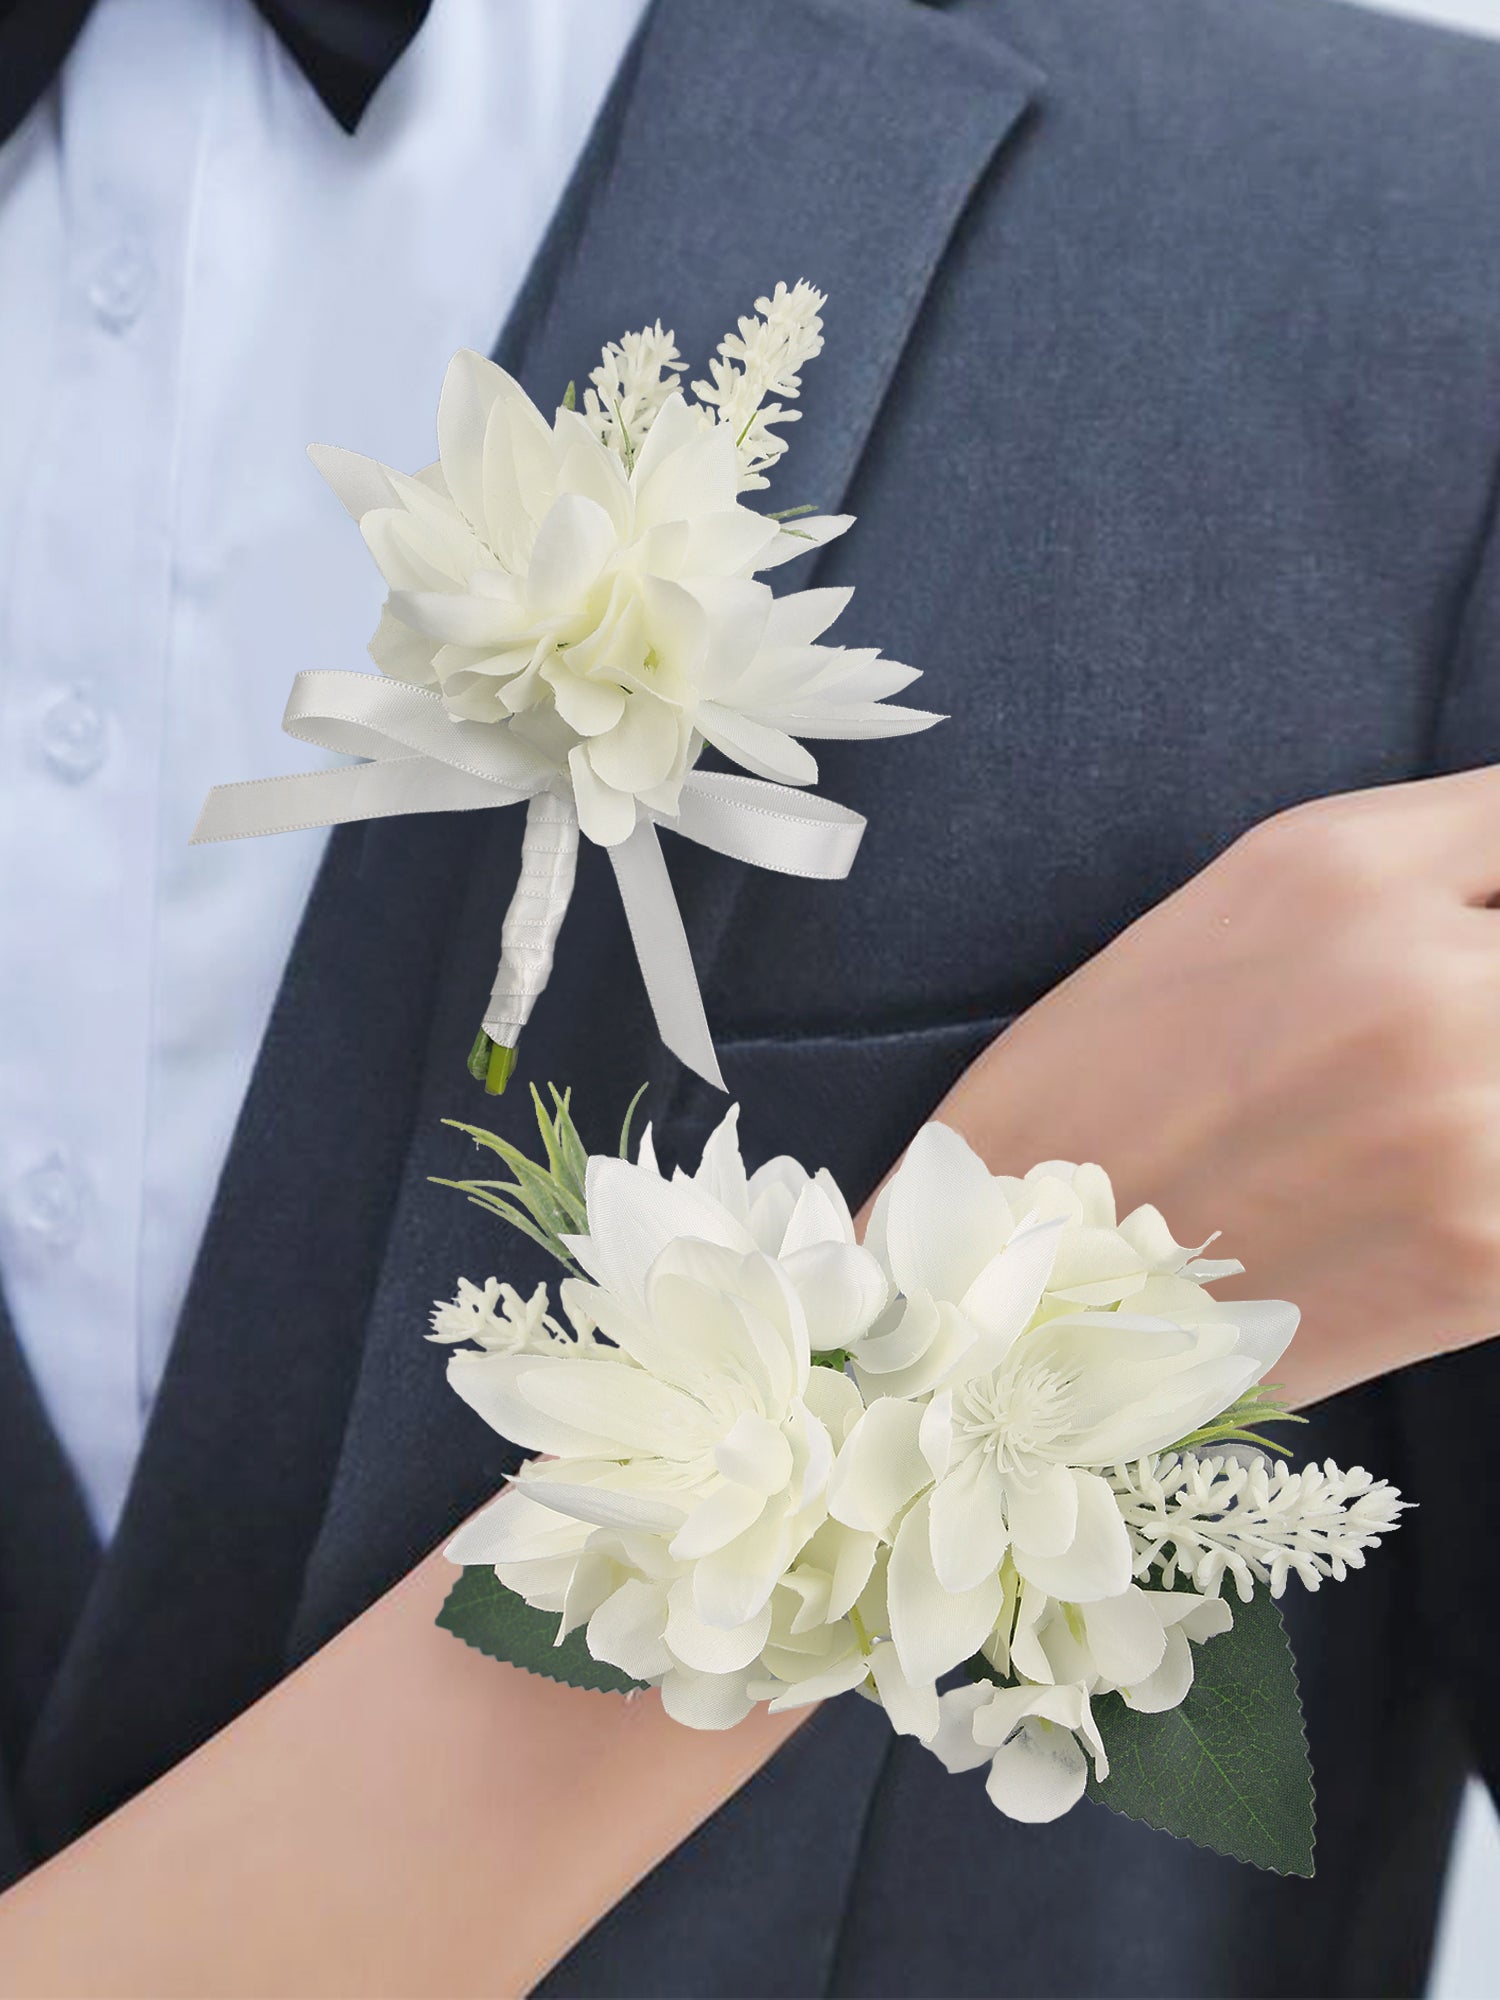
[[344, 47]]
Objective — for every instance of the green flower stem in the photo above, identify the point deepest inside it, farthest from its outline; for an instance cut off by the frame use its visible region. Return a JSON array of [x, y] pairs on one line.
[[491, 1064], [497, 1075]]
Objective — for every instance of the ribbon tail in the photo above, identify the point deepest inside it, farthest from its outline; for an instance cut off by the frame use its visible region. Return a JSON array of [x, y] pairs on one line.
[[661, 946], [335, 798]]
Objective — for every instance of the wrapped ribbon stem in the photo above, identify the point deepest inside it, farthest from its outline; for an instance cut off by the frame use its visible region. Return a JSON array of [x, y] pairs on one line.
[[549, 861]]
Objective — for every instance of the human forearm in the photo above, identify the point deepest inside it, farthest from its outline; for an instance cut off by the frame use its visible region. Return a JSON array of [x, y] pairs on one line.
[[1298, 1050], [402, 1816]]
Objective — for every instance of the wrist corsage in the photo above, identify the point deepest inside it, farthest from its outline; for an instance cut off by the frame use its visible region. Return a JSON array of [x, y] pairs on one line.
[[1002, 1468]]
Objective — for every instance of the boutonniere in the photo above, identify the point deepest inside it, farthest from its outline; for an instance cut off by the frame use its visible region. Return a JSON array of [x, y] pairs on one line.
[[1003, 1469], [575, 610]]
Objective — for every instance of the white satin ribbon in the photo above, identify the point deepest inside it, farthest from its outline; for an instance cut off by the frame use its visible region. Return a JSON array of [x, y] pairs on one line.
[[422, 760]]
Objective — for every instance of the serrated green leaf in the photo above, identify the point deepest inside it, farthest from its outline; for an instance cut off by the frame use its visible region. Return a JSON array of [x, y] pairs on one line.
[[1227, 1769], [484, 1614]]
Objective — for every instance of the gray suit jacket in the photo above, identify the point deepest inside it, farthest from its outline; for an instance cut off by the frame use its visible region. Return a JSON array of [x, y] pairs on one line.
[[1163, 372]]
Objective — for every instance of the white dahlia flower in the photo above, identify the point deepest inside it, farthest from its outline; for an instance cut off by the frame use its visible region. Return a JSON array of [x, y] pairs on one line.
[[703, 1432], [609, 618]]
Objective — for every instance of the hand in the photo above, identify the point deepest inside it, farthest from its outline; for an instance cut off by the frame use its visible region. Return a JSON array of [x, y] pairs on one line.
[[1300, 1048]]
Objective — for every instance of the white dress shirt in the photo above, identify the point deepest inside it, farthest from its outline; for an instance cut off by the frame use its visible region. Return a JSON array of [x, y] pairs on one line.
[[200, 273]]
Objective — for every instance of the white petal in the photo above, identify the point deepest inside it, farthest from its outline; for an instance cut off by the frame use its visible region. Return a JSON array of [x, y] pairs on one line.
[[1039, 1775], [1125, 1637], [1097, 1561], [593, 708], [879, 1467], [605, 816], [935, 1437], [769, 753], [711, 1649], [716, 1520], [682, 475], [842, 1290], [633, 1216], [515, 1528], [572, 546], [838, 1679], [834, 1400], [802, 536], [455, 617], [490, 1384], [967, 1514], [851, 1571], [402, 653], [608, 1399], [934, 1629], [733, 1586], [1043, 1510], [1006, 1293], [609, 1506], [641, 748], [705, 1701], [1266, 1327], [820, 1216], [468, 394], [756, 1453], [913, 1709], [627, 1630], [360, 483], [721, 1171], [945, 1218], [1171, 1682], [954, 1745]]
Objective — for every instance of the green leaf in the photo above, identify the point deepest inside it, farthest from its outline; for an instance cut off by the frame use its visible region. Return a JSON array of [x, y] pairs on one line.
[[484, 1614], [629, 1116], [1229, 1768]]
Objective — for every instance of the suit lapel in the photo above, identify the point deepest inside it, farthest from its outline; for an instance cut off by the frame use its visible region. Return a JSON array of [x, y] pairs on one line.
[[836, 139]]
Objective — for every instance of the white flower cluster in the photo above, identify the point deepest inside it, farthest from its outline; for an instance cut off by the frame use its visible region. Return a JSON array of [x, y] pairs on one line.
[[791, 1465], [591, 586]]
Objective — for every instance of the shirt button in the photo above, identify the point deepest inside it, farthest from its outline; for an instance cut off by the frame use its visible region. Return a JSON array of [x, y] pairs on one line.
[[74, 737], [47, 1203], [120, 282]]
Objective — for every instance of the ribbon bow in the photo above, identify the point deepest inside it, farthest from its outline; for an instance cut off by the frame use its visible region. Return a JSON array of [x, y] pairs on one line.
[[421, 759]]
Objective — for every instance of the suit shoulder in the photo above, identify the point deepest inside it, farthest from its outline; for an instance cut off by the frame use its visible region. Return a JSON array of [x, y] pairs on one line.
[[1403, 98]]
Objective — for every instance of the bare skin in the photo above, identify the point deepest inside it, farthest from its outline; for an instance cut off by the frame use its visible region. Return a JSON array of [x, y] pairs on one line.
[[402, 1816], [1301, 1048]]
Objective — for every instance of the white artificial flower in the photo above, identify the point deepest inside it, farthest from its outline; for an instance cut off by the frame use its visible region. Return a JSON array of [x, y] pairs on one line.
[[635, 376], [803, 1221], [1034, 1739], [1000, 1399], [1237, 1514], [610, 620], [703, 1434], [1135, 1644], [519, 1324], [764, 358]]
